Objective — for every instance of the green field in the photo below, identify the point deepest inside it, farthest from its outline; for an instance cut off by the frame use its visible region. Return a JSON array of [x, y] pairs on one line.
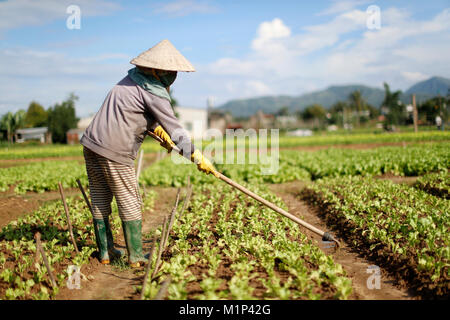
[[227, 246]]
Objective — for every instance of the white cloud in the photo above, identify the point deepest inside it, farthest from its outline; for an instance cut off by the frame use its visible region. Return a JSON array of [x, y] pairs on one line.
[[340, 6], [184, 7], [48, 77], [21, 13], [268, 31], [414, 76], [341, 51]]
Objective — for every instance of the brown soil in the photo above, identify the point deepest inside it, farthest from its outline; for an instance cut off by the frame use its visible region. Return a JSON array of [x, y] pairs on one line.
[[107, 282], [353, 263], [20, 162], [13, 206]]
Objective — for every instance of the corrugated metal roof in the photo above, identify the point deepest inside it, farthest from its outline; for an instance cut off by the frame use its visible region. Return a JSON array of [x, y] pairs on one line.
[[32, 130]]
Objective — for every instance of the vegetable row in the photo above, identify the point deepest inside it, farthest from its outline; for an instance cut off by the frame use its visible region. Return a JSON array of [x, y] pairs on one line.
[[405, 229], [23, 274], [227, 246]]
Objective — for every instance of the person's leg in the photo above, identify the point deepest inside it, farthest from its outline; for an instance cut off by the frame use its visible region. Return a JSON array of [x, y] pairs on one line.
[[123, 184], [101, 197]]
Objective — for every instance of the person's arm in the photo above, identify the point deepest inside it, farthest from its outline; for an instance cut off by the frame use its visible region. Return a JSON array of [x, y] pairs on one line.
[[162, 112]]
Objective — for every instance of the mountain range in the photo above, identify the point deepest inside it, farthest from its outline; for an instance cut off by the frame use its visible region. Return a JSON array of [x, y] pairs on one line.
[[271, 104]]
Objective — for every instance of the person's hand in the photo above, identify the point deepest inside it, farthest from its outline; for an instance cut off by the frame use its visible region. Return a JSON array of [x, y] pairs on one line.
[[203, 164], [167, 142]]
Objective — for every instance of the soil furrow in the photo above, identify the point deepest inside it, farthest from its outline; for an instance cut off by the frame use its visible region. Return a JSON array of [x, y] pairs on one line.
[[356, 266]]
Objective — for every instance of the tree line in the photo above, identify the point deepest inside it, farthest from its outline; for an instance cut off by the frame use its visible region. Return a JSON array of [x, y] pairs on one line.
[[357, 112], [59, 118]]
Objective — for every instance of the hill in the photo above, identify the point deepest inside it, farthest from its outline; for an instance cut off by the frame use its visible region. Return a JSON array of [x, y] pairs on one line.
[[374, 96]]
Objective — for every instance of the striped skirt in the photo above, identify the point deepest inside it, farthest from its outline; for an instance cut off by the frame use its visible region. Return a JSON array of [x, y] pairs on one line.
[[107, 179]]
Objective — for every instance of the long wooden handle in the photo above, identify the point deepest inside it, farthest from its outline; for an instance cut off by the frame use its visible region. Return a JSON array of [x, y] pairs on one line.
[[325, 235], [270, 204]]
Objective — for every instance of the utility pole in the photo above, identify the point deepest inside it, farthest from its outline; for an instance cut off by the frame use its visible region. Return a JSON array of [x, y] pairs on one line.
[[415, 115]]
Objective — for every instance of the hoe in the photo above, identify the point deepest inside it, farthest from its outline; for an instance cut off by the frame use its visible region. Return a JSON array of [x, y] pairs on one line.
[[326, 236]]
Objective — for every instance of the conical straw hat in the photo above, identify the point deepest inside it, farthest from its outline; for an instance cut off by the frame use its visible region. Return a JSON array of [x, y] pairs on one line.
[[163, 56]]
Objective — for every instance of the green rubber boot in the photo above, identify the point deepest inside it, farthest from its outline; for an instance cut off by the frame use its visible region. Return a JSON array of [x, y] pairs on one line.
[[113, 252], [102, 240], [132, 231]]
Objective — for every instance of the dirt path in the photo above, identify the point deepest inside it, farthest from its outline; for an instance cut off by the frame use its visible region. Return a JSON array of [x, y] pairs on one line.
[[114, 283], [355, 265]]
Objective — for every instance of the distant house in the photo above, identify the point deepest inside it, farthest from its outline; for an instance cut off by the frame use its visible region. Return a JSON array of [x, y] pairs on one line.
[[74, 135], [261, 120], [41, 134], [219, 120], [286, 122], [194, 120]]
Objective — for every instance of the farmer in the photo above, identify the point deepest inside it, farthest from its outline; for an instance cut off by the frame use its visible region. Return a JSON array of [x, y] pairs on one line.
[[139, 102]]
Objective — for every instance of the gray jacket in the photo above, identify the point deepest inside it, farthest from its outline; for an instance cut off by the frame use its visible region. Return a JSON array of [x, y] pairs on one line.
[[120, 126]]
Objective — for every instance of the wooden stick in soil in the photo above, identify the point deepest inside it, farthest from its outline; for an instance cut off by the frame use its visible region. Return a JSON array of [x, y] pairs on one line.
[[66, 209], [86, 199], [149, 266], [160, 249], [186, 200], [163, 291], [172, 216], [39, 247]]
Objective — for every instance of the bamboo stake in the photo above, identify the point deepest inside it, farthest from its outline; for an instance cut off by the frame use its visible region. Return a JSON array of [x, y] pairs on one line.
[[145, 192], [149, 266], [186, 200], [172, 216], [66, 209], [86, 199], [37, 237], [160, 249], [163, 291]]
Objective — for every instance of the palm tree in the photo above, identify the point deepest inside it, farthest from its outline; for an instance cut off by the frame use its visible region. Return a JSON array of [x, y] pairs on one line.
[[11, 122], [357, 103], [392, 103]]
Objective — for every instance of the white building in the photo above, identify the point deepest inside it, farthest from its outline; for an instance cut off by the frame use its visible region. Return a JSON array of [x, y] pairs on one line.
[[194, 120]]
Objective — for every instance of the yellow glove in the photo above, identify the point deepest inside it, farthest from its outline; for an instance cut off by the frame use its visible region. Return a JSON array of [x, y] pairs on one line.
[[167, 142], [203, 164]]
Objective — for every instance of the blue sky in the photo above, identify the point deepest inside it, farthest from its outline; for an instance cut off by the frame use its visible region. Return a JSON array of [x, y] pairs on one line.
[[240, 49]]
